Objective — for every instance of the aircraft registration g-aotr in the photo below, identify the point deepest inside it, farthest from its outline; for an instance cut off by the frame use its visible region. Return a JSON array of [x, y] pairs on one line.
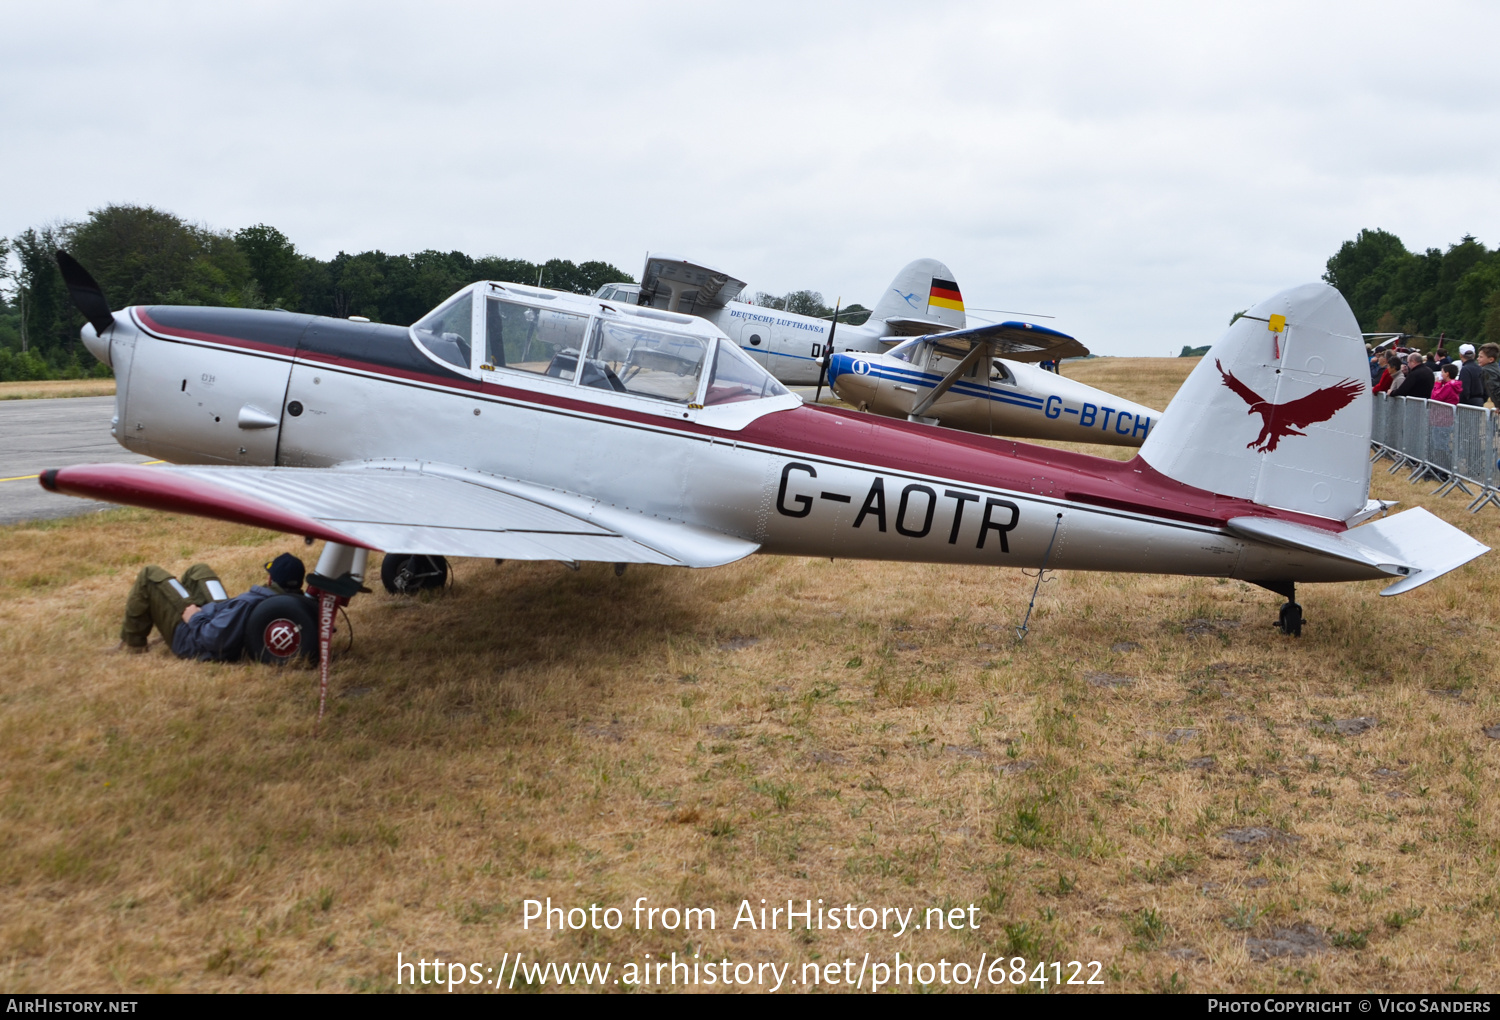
[[519, 423], [980, 379]]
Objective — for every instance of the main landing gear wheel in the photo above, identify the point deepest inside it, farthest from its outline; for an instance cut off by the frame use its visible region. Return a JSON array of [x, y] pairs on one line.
[[283, 629], [1290, 622], [404, 574]]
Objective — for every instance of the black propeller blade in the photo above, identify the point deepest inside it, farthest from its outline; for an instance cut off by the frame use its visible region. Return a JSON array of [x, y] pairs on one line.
[[827, 351], [87, 296]]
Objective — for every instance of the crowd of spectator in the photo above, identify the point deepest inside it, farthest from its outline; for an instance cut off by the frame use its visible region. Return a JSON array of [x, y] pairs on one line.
[[1472, 380]]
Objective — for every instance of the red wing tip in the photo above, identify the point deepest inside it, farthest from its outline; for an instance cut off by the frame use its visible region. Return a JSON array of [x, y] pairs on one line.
[[139, 485]]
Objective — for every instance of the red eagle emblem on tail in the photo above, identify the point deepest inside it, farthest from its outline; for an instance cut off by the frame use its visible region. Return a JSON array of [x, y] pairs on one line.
[[1278, 420]]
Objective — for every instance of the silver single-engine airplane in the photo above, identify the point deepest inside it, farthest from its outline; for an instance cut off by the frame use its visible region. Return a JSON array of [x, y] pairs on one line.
[[519, 423], [958, 380], [938, 378]]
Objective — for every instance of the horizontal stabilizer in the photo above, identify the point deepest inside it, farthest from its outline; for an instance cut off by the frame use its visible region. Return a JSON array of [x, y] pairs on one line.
[[905, 328], [1415, 546], [1429, 544], [1316, 540]]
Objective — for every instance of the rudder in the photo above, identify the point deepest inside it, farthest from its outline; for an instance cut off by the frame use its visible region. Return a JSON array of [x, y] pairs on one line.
[[1281, 418], [924, 289]]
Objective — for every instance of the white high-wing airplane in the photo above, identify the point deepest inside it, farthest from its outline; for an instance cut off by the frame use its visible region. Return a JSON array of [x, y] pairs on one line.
[[955, 380], [519, 423], [1010, 397]]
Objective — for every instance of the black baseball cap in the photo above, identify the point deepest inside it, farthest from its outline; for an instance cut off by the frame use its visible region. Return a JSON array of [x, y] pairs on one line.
[[287, 571]]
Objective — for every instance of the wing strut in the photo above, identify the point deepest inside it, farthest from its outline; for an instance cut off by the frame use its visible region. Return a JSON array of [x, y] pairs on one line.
[[979, 350]]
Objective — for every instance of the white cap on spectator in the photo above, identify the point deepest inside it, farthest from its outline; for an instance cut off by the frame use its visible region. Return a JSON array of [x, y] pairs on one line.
[[1465, 349]]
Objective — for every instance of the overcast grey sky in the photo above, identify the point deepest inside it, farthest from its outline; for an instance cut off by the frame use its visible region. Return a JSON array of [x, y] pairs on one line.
[[1140, 171]]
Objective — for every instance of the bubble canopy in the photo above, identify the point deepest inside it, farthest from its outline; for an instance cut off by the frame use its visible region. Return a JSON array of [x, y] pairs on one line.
[[516, 335]]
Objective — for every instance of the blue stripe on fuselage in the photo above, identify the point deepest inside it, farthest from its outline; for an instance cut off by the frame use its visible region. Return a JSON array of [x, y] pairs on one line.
[[972, 389], [777, 354]]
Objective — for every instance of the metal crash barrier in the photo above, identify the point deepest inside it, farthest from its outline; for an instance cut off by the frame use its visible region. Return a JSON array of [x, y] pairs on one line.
[[1455, 445]]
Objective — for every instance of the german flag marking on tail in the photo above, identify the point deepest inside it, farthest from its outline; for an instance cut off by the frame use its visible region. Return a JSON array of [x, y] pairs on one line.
[[945, 294]]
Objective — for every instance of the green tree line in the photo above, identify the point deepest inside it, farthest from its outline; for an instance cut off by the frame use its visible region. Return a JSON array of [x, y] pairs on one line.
[[810, 302], [142, 255], [1454, 294]]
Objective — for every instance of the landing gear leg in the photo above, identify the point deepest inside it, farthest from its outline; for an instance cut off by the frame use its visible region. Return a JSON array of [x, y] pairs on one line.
[[338, 578], [1290, 621]]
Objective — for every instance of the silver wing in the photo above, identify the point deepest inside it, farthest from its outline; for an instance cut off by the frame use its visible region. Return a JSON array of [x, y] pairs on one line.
[[682, 286], [410, 507]]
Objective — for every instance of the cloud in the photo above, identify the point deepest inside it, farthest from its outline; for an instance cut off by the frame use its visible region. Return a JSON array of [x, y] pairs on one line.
[[1139, 171]]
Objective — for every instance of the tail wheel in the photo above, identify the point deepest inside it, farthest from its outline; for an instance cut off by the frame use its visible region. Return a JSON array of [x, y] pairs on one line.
[[1290, 622], [405, 574], [283, 629]]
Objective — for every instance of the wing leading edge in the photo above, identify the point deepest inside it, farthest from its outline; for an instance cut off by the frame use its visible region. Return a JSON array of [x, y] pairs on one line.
[[408, 507], [1017, 341]]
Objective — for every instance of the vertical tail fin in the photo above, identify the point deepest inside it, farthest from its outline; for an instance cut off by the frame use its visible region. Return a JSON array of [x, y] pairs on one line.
[[924, 289], [1278, 411]]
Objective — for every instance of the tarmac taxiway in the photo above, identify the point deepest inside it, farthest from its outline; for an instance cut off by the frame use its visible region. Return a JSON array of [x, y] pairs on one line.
[[51, 433]]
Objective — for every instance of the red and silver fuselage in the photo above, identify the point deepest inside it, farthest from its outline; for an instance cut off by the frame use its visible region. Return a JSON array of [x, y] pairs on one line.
[[229, 386]]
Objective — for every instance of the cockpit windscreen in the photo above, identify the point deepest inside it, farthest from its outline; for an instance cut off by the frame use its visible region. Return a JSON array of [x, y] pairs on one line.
[[448, 331]]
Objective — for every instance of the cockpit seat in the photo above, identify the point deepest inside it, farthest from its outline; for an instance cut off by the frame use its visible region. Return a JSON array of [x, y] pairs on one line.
[[595, 373]]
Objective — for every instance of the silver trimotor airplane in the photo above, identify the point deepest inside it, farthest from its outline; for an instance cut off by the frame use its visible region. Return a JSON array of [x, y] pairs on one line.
[[519, 423]]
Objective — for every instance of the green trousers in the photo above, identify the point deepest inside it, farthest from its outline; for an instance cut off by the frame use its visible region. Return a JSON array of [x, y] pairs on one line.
[[157, 599]]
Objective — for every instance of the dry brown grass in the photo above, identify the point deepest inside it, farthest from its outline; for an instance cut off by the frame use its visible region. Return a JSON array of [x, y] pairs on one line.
[[1149, 381], [879, 740], [57, 388]]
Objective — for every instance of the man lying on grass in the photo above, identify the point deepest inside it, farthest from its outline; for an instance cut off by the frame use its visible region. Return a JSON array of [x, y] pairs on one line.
[[195, 617]]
